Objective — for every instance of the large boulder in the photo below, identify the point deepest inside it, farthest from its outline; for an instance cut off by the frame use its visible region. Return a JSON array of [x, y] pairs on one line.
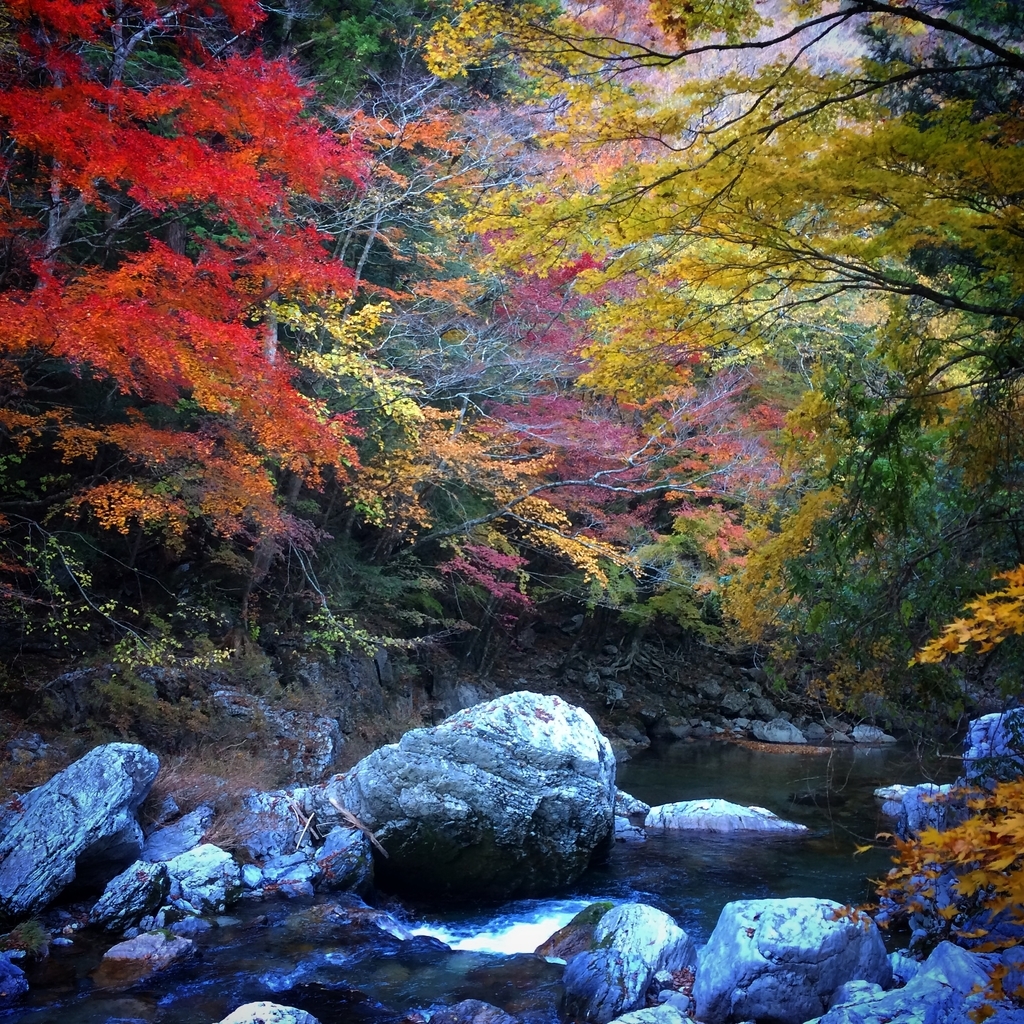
[[783, 959], [719, 816], [84, 817], [510, 797], [632, 943]]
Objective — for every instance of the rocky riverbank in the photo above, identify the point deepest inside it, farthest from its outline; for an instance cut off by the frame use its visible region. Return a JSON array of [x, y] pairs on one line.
[[514, 796]]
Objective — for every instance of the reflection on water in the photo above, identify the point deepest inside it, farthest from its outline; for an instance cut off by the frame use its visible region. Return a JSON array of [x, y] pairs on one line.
[[290, 953], [691, 876]]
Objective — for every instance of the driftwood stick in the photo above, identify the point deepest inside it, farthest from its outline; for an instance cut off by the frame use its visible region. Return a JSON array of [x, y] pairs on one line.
[[356, 823]]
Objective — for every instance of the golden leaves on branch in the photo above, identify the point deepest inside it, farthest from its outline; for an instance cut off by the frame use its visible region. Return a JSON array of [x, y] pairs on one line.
[[994, 617]]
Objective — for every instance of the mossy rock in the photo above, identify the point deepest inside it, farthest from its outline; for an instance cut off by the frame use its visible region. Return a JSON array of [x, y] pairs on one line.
[[577, 936]]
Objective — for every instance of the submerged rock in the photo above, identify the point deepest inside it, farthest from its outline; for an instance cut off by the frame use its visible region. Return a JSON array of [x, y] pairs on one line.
[[83, 818], [472, 1011], [349, 921], [871, 734], [131, 895], [138, 958], [719, 816], [632, 943], [511, 797], [783, 959], [264, 1012]]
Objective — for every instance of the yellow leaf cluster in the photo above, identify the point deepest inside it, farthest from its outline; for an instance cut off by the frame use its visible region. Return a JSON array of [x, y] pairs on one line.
[[985, 854], [758, 598], [994, 617]]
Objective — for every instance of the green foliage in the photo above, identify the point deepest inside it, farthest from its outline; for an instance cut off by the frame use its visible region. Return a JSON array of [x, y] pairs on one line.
[[31, 936]]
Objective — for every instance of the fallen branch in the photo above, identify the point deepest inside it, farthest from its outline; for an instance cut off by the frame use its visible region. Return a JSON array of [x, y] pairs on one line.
[[352, 820]]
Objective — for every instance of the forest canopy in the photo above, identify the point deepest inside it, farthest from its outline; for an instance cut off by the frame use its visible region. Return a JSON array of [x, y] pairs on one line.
[[416, 325]]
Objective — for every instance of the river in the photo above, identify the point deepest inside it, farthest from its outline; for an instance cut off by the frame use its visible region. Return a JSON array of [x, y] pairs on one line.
[[279, 951]]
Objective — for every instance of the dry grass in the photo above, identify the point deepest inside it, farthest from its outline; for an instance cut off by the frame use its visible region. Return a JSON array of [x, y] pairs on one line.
[[219, 778]]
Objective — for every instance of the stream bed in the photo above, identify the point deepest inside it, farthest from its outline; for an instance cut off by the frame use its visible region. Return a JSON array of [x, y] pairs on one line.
[[283, 950]]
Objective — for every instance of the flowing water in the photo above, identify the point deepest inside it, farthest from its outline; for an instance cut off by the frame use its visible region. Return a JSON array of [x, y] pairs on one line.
[[280, 951]]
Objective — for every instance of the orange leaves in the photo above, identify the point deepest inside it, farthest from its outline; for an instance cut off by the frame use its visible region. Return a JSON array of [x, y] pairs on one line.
[[985, 856], [120, 505], [994, 617]]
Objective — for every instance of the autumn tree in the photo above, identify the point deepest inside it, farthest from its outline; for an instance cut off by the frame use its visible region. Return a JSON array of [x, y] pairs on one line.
[[151, 167], [834, 186]]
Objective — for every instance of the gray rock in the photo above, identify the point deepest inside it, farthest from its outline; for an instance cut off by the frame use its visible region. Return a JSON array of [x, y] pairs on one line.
[[677, 1000], [184, 835], [814, 732], [308, 742], [627, 806], [207, 879], [871, 734], [627, 832], [346, 860], [506, 798], [718, 816], [264, 1012], [855, 992], [939, 993], [929, 806], [131, 895], [268, 826], [82, 819], [761, 707], [140, 957], [711, 689], [12, 983], [784, 959], [892, 794], [735, 702], [632, 942], [778, 730], [291, 874], [190, 927], [994, 747], [666, 1013]]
